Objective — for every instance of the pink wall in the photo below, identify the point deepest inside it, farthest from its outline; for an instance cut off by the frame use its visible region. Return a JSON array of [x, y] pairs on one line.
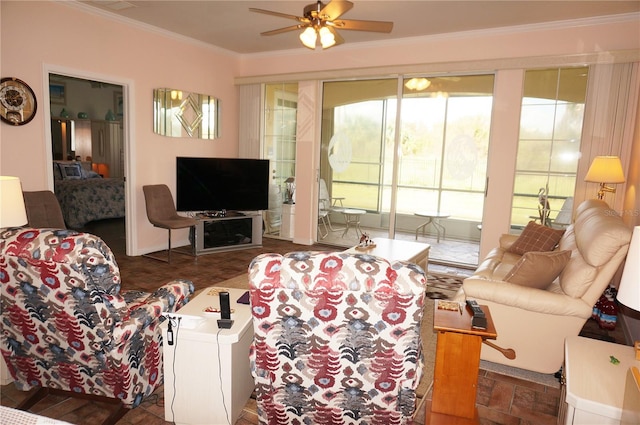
[[39, 35]]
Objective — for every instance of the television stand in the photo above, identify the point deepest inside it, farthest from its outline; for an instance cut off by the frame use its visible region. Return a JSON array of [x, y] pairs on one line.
[[234, 230]]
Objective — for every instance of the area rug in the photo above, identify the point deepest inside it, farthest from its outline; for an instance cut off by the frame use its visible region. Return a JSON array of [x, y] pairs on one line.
[[442, 286]]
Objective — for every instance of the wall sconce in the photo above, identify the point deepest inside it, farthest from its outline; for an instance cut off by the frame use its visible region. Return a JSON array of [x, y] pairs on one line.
[[12, 210], [603, 170]]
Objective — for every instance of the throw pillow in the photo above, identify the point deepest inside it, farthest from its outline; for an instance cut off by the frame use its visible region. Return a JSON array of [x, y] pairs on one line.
[[536, 237], [71, 171], [538, 269]]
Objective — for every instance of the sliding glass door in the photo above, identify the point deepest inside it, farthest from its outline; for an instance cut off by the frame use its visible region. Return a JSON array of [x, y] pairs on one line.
[[402, 150], [279, 147]]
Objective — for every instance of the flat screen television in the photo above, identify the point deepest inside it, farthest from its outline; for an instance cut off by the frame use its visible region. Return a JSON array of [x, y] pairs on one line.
[[215, 184]]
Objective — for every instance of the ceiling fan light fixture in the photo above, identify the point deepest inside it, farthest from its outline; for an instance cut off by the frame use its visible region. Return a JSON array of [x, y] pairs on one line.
[[327, 39], [417, 84], [309, 38]]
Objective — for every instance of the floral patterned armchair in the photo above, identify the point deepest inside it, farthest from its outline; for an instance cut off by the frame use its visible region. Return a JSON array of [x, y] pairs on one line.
[[336, 338], [66, 326]]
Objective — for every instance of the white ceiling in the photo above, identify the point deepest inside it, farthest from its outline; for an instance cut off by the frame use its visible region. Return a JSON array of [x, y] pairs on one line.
[[231, 26]]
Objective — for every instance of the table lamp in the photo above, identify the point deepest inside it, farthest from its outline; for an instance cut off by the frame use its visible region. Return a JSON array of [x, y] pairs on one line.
[[629, 287], [12, 210], [603, 170]]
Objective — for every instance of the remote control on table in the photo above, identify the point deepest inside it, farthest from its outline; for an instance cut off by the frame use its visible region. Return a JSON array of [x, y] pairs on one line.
[[475, 308], [479, 320]]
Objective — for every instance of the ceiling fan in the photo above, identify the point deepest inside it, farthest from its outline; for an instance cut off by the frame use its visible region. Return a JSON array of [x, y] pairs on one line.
[[320, 22]]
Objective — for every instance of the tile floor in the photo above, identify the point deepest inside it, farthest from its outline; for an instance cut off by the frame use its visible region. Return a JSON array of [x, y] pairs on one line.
[[447, 251], [501, 399]]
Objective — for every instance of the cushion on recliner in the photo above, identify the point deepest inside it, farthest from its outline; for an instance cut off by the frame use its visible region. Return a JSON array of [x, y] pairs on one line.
[[536, 237], [538, 269], [595, 237], [599, 236]]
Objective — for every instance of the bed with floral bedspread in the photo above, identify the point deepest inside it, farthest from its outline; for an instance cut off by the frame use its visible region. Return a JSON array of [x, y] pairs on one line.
[[88, 199]]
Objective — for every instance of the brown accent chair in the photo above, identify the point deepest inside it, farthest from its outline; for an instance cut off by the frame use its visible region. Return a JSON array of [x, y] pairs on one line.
[[161, 212], [43, 210]]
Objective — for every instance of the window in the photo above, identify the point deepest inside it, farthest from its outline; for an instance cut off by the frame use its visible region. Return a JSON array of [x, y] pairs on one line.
[[549, 146], [436, 161], [281, 102], [279, 147], [444, 145]]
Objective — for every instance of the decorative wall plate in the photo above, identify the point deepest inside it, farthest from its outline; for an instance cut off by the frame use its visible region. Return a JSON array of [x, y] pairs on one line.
[[17, 101]]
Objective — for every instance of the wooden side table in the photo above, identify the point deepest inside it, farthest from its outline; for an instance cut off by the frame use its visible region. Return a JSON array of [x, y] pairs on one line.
[[455, 380]]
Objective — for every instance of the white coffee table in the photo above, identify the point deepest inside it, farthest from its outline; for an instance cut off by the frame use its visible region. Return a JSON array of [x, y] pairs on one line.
[[207, 366], [396, 250]]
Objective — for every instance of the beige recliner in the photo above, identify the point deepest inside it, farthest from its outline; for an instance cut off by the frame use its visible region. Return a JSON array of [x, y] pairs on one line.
[[535, 322]]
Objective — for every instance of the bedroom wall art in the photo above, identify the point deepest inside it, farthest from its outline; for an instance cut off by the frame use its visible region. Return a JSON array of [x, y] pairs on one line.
[[177, 113]]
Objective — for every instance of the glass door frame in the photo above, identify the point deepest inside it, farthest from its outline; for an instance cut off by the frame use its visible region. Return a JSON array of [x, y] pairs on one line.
[[392, 228]]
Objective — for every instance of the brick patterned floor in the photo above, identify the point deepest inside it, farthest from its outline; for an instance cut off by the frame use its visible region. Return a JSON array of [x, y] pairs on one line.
[[500, 399]]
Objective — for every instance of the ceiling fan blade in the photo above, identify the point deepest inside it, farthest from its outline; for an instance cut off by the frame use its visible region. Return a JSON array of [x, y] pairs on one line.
[[281, 15], [357, 25], [285, 29], [336, 35], [334, 9]]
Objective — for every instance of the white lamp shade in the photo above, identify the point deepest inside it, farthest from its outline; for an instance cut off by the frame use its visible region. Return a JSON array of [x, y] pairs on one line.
[[309, 37], [605, 169], [12, 211], [327, 39], [629, 288]]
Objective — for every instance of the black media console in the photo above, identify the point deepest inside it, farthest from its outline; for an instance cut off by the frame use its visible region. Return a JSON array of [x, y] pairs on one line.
[[225, 233]]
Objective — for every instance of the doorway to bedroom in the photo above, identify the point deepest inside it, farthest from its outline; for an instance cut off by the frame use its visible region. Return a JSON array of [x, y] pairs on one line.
[[88, 152]]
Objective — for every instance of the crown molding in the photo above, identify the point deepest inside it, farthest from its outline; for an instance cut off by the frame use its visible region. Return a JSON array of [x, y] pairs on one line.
[[519, 29], [448, 68], [498, 31]]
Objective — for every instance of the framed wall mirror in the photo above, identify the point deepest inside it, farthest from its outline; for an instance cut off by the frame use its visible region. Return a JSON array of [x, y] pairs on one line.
[[177, 113]]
